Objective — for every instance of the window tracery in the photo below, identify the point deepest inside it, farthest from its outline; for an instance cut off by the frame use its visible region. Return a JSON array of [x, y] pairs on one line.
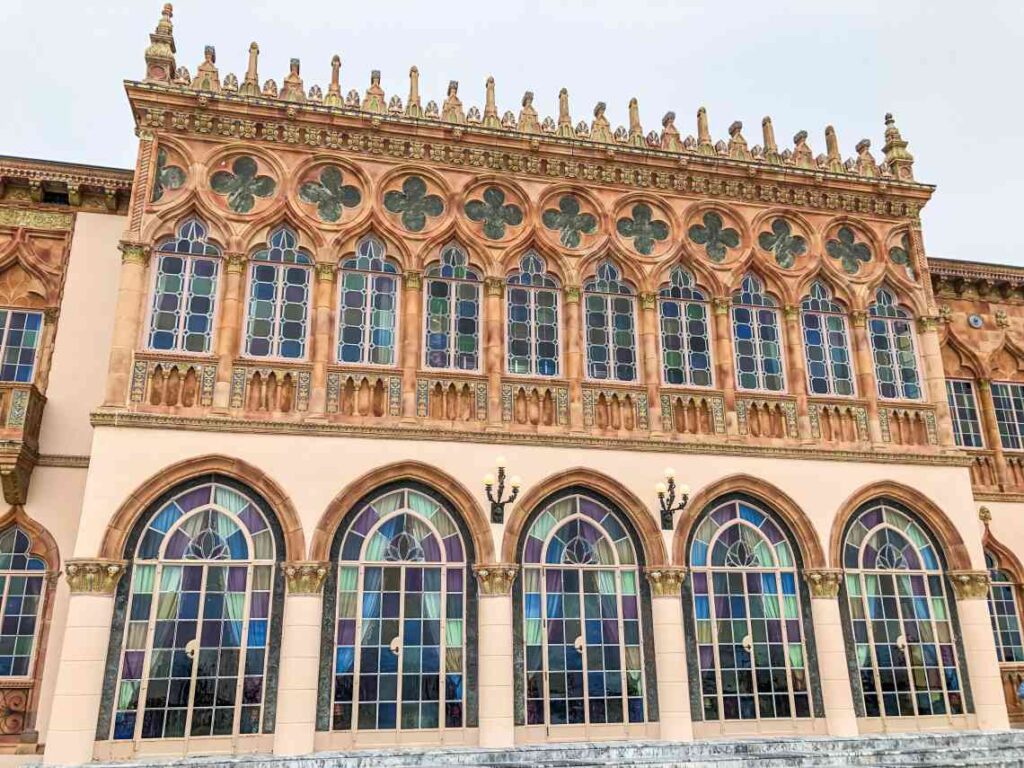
[[368, 306], [610, 325], [278, 308], [532, 328], [892, 341], [685, 343], [453, 312], [755, 324], [826, 343]]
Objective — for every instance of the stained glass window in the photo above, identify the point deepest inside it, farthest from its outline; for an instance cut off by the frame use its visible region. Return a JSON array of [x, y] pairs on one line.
[[900, 621], [531, 304], [400, 636], [1009, 406], [581, 618], [826, 344], [20, 333], [751, 651], [1002, 607], [278, 315], [194, 651], [185, 293], [755, 327], [611, 325], [964, 410], [892, 341], [453, 312], [685, 345], [21, 592], [368, 308]]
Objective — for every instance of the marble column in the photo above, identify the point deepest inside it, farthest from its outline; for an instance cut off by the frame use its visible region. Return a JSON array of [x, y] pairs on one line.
[[494, 347], [494, 643], [990, 425], [833, 671], [574, 356], [971, 589], [411, 335], [724, 361], [81, 668], [300, 658], [670, 653], [796, 378], [229, 327], [322, 332], [935, 378], [128, 314], [867, 388], [651, 362]]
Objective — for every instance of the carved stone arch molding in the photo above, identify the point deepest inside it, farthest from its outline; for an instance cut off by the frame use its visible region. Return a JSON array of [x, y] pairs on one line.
[[937, 522], [555, 261], [638, 514], [959, 360], [800, 526], [165, 225], [141, 499], [396, 247], [1006, 558], [481, 258]]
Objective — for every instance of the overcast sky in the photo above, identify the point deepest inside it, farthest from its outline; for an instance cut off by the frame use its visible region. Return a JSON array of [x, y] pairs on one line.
[[950, 72]]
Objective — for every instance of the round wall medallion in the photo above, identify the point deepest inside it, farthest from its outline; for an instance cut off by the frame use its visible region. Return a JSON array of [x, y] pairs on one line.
[[975, 321]]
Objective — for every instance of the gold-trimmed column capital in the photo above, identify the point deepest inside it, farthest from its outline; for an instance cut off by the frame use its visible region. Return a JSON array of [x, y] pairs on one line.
[[824, 583], [648, 300], [133, 253], [413, 279], [88, 576], [236, 261], [970, 585], [572, 294], [928, 323], [326, 271], [496, 579], [859, 318], [494, 286], [667, 581], [305, 577], [721, 305]]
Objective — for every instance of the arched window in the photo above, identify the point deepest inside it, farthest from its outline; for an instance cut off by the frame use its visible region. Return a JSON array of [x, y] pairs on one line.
[[582, 617], [531, 302], [755, 327], [1002, 607], [826, 343], [368, 308], [22, 588], [185, 291], [453, 312], [610, 325], [899, 616], [201, 599], [750, 636], [402, 617], [685, 347], [278, 315], [20, 334], [892, 341]]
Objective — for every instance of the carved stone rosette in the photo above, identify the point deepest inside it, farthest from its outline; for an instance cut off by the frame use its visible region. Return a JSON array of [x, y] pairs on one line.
[[93, 577], [667, 581], [824, 583], [496, 579], [305, 578], [970, 585]]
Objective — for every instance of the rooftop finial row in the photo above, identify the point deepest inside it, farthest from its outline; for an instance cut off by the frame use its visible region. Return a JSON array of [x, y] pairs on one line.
[[161, 68]]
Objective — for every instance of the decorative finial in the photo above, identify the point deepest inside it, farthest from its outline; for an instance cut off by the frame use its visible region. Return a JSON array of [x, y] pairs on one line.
[[771, 149], [490, 106], [833, 159], [333, 98], [670, 140], [160, 64], [373, 101], [636, 131], [251, 83], [865, 165], [565, 129], [528, 122], [413, 108], [897, 159], [704, 145], [985, 515], [600, 128], [207, 78], [451, 110], [291, 88], [803, 157], [738, 149]]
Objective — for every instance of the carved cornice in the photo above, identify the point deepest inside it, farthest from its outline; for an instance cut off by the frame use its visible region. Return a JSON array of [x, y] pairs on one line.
[[824, 583], [666, 582], [305, 578], [496, 579], [70, 177], [970, 585], [30, 218], [93, 577]]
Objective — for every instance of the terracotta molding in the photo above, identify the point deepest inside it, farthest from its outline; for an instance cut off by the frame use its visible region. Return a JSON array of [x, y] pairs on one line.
[[1006, 559], [151, 489], [633, 508], [462, 501], [800, 526], [63, 460], [43, 543]]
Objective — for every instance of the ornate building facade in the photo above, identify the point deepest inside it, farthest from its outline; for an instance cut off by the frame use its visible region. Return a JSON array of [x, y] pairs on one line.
[[250, 390]]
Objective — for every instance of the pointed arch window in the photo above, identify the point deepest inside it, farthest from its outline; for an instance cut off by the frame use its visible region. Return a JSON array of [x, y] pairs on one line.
[[1008, 400], [900, 618], [582, 618], [196, 638], [22, 590], [277, 323], [1005, 613], [755, 327], [826, 343], [368, 306], [532, 331], [748, 615], [685, 343], [610, 306], [185, 291], [400, 634], [964, 410], [453, 312], [892, 342]]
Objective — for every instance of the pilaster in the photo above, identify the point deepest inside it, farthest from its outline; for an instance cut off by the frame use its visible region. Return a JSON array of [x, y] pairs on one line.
[[833, 671], [670, 652], [497, 693]]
